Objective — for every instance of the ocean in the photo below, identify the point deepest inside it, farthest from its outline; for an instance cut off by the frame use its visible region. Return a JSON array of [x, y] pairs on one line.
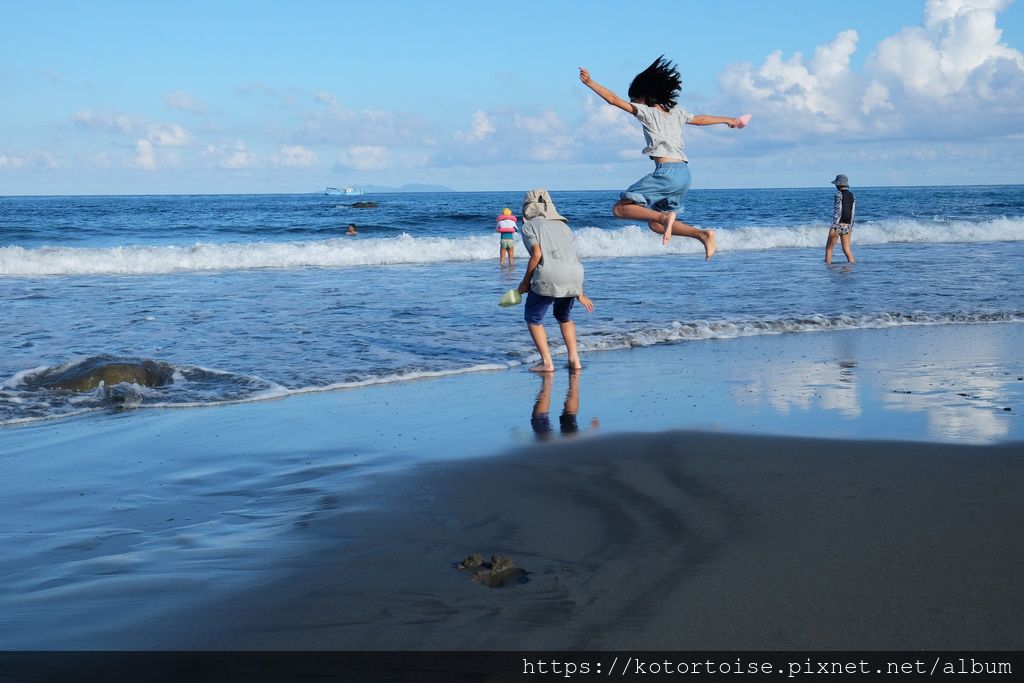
[[252, 297]]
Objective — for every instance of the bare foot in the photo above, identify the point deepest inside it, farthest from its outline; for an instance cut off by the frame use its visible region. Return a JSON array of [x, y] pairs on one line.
[[667, 219], [540, 367], [710, 246], [574, 364]]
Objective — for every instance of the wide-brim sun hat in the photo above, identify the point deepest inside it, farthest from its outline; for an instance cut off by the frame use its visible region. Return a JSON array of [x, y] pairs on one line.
[[841, 180], [538, 204]]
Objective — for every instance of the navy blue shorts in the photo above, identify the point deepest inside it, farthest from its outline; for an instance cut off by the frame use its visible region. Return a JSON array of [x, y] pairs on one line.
[[537, 306]]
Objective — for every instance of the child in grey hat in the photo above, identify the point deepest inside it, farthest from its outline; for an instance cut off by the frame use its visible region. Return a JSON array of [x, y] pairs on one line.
[[554, 277]]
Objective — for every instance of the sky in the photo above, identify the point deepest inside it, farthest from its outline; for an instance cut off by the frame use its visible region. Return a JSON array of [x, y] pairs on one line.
[[279, 97]]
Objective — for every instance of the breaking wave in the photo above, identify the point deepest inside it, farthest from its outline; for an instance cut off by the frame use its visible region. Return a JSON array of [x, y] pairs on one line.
[[631, 241]]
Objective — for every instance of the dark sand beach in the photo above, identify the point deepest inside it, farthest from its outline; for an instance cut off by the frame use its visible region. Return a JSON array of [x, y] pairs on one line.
[[675, 541], [843, 490]]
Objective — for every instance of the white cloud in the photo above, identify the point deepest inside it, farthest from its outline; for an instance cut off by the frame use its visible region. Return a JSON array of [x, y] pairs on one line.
[[546, 123], [379, 158], [114, 123], [232, 156], [933, 80], [333, 124], [608, 131], [546, 137], [167, 135], [816, 92], [937, 61], [875, 97], [41, 160], [481, 128], [182, 101], [364, 158], [160, 134], [507, 136], [145, 157], [294, 156]]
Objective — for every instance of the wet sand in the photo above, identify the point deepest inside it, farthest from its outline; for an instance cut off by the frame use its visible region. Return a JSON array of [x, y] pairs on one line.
[[672, 541], [689, 511]]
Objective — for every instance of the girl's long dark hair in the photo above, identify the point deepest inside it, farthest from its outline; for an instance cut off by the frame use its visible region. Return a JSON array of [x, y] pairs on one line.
[[657, 84]]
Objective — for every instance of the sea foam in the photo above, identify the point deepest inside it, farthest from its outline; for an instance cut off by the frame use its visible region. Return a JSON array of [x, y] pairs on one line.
[[195, 386], [626, 242]]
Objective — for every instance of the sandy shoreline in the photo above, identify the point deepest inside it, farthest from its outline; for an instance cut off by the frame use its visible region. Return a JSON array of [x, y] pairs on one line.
[[691, 511], [672, 541]]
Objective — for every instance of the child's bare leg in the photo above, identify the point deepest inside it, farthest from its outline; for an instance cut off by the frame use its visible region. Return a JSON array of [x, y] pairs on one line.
[[705, 237], [540, 340], [830, 244], [569, 335], [668, 219], [658, 221], [845, 240]]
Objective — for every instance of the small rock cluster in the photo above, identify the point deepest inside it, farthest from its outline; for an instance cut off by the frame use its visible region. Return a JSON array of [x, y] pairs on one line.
[[500, 571]]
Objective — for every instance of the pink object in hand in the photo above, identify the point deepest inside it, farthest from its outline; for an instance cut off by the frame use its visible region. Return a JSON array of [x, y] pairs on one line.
[[744, 120]]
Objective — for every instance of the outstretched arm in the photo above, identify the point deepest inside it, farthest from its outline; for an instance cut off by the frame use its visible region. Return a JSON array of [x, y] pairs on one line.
[[605, 94], [705, 120]]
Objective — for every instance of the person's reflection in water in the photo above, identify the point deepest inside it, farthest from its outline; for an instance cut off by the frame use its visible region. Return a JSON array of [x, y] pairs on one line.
[[567, 420], [540, 419]]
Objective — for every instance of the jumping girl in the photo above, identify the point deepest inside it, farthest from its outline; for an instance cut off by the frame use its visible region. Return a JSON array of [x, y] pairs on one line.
[[656, 198]]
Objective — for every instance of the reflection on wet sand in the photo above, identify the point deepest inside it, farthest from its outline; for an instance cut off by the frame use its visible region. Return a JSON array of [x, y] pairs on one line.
[[960, 401], [540, 419], [803, 386], [961, 397]]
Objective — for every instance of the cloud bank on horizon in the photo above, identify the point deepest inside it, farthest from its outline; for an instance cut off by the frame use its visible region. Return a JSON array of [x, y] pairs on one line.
[[931, 96]]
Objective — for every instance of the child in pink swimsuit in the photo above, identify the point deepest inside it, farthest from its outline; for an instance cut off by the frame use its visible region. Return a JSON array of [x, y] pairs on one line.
[[507, 229]]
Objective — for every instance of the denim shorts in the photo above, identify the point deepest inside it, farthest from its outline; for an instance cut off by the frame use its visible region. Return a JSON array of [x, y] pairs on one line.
[[662, 190], [537, 305]]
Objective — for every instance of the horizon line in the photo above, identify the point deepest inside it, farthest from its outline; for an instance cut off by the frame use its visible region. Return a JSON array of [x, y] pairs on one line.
[[399, 191]]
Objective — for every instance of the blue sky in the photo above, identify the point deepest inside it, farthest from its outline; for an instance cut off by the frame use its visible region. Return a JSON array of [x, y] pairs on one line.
[[208, 97]]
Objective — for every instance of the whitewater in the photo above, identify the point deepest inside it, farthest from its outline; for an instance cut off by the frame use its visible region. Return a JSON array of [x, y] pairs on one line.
[[627, 242], [250, 298]]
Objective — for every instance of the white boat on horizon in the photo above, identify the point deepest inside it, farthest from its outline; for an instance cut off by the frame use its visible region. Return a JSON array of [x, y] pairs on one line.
[[343, 190]]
